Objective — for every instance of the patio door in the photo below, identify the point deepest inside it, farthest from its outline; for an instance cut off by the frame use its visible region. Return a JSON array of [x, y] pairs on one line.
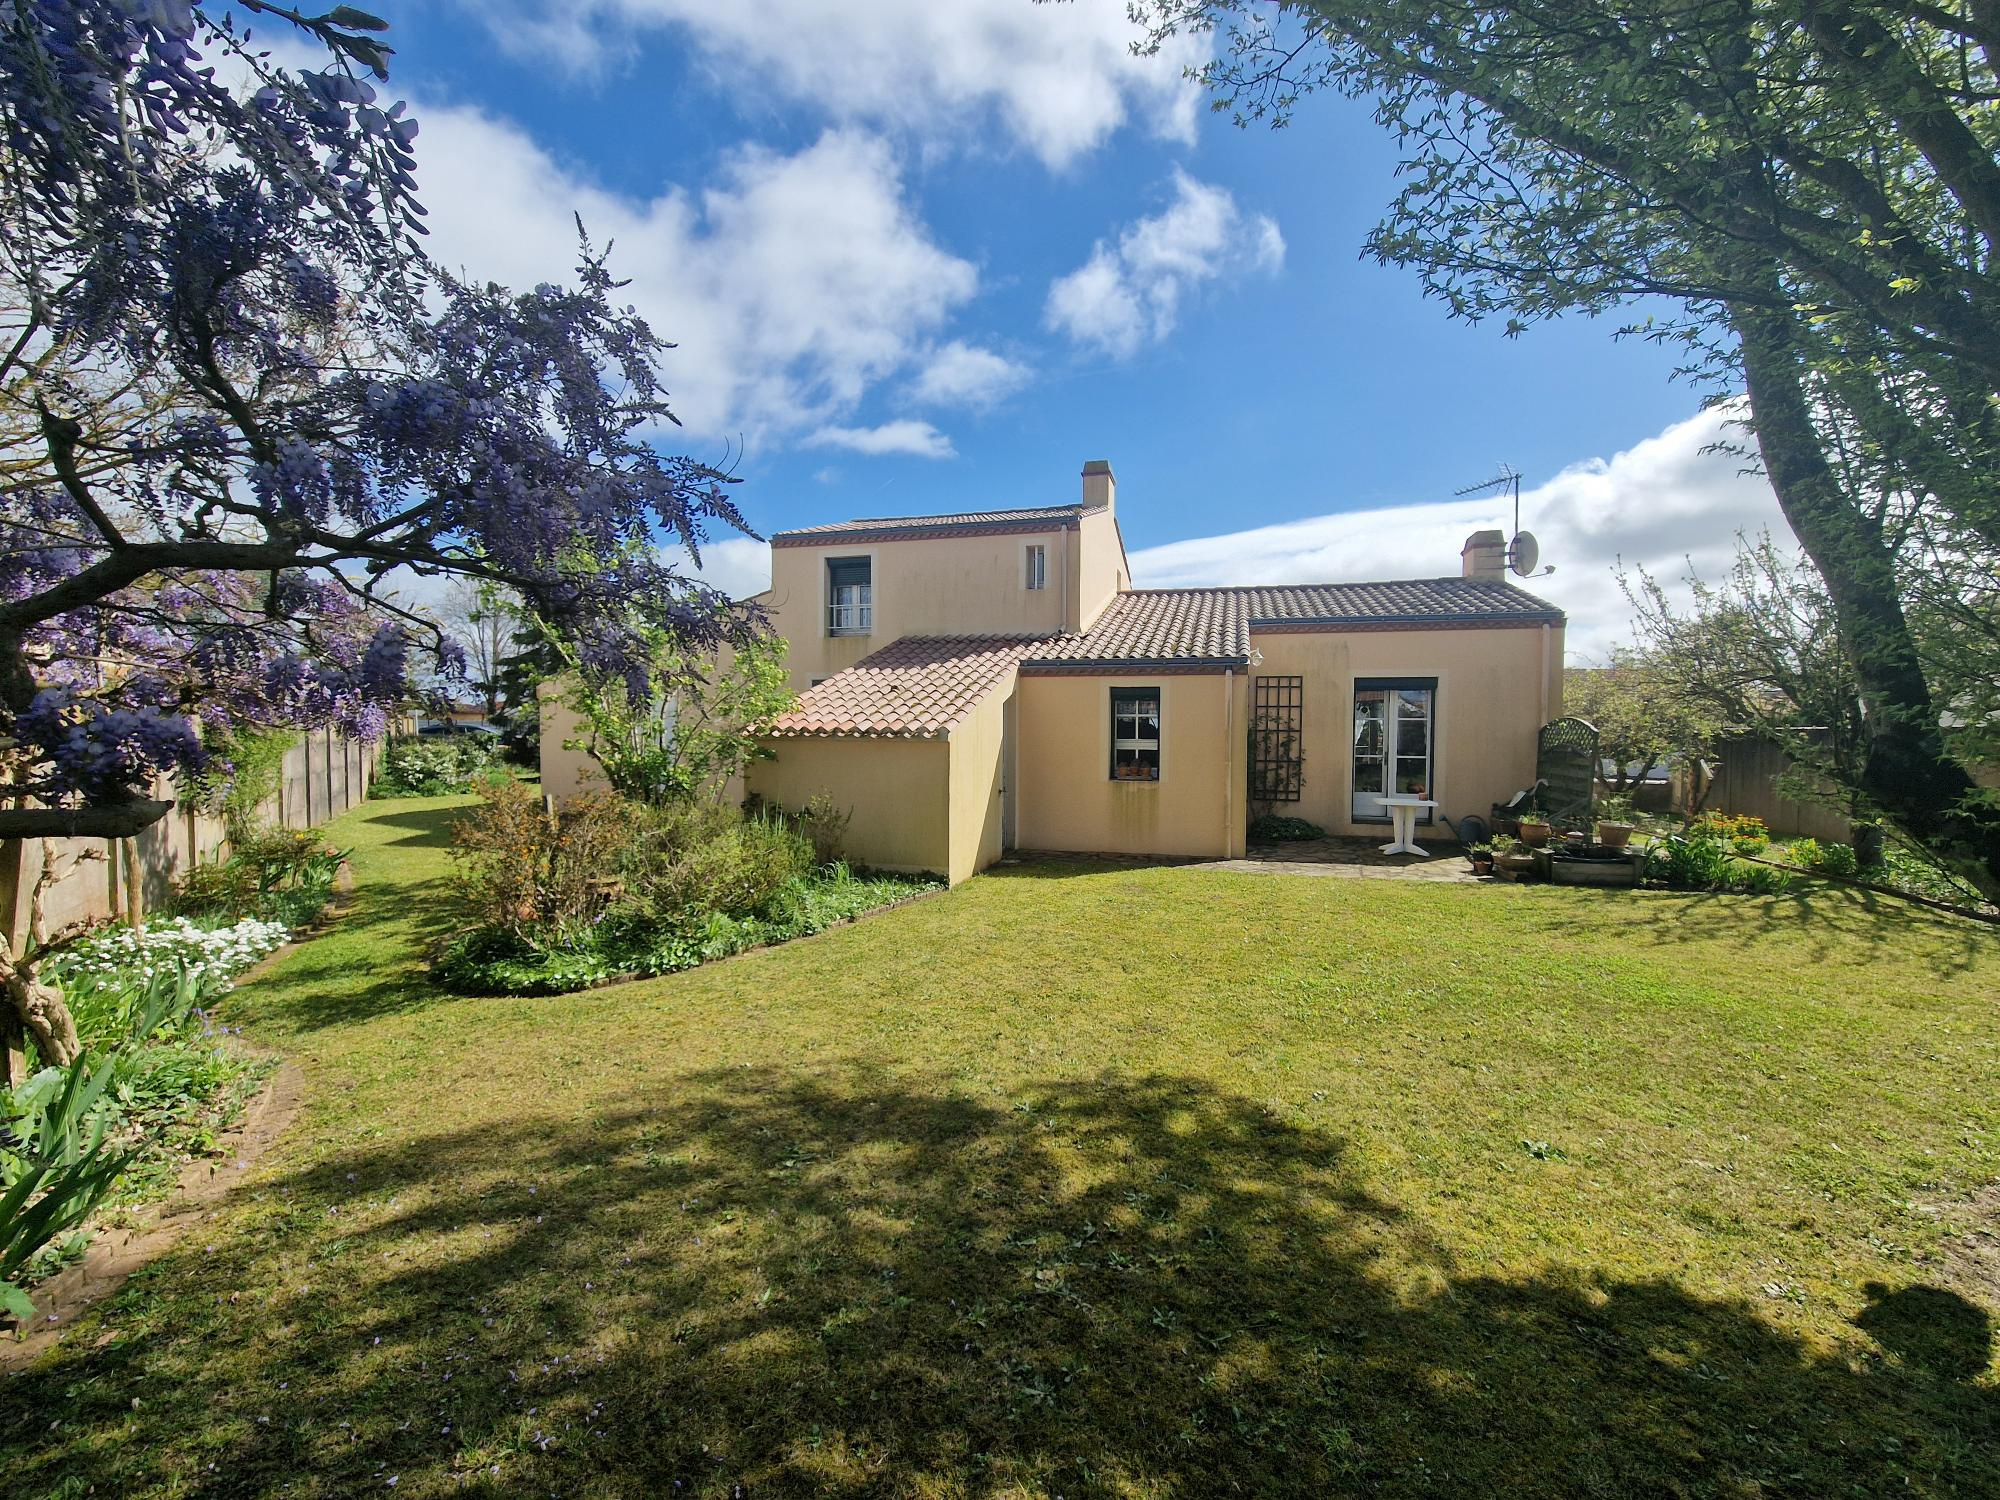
[[1394, 734]]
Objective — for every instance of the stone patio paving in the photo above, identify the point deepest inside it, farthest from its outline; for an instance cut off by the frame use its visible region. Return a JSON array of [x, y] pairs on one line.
[[1349, 859]]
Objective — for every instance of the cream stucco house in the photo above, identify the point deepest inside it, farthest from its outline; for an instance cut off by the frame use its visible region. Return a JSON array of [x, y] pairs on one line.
[[986, 681]]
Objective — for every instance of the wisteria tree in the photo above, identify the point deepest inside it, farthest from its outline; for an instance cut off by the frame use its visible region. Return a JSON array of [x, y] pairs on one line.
[[238, 404]]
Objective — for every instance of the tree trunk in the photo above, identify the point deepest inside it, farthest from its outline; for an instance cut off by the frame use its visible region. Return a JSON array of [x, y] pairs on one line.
[[1906, 772], [42, 1013]]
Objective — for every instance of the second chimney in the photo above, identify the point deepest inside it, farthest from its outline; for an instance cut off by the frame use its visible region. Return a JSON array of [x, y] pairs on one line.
[[1100, 486], [1484, 557]]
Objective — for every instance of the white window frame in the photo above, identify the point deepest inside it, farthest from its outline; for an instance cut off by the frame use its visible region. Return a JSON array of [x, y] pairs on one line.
[[1432, 687], [1038, 566], [1137, 741], [850, 607]]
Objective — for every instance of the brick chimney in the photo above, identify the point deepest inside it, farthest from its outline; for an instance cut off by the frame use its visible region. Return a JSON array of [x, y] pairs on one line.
[[1484, 556], [1100, 486]]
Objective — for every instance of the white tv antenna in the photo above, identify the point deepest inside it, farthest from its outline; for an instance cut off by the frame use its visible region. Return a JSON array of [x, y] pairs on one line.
[[1524, 553]]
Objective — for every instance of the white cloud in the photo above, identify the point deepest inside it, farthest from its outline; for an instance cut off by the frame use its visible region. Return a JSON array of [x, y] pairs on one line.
[[962, 374], [1129, 293], [739, 565], [918, 439], [1060, 79], [1662, 505], [792, 283]]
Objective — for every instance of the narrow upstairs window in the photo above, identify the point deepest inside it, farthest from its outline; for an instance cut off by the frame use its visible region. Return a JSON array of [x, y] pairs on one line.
[[1038, 559], [850, 603]]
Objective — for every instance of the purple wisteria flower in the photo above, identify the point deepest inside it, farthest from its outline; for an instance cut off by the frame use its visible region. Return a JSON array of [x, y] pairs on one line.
[[257, 407]]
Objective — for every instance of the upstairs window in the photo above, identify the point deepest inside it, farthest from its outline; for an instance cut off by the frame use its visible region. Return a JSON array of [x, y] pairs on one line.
[[1038, 572], [1135, 734], [850, 596]]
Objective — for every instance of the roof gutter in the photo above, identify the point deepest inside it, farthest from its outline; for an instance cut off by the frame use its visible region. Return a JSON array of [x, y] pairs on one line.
[[1104, 665]]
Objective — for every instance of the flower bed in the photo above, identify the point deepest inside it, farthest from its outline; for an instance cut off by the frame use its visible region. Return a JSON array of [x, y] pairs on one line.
[[156, 1082], [613, 887]]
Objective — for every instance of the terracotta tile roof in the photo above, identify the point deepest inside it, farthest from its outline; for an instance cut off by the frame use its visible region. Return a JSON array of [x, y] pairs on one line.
[[1411, 600], [904, 528], [1190, 628], [919, 688], [1182, 626]]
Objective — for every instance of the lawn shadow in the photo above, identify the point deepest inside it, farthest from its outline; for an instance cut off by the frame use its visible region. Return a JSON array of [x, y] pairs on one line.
[[847, 1282], [324, 983], [1812, 922], [430, 826]]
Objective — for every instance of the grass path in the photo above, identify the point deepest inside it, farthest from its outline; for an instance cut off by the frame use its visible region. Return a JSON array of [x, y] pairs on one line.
[[1094, 1182]]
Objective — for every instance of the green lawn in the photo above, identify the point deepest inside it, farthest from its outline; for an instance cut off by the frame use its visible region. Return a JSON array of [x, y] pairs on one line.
[[1094, 1182]]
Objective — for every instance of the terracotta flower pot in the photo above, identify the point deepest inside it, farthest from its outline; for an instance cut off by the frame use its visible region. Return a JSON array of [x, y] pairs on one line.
[[1614, 835], [1534, 834]]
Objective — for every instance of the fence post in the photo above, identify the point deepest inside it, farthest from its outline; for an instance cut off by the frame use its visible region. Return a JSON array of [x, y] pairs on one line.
[[13, 1039]]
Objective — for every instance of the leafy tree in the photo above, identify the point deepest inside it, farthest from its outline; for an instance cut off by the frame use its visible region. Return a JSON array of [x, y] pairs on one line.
[[1815, 184], [1644, 717], [237, 402], [665, 746], [1759, 653], [478, 614]]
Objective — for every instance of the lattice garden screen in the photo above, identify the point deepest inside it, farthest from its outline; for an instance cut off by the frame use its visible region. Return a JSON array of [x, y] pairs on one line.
[[1277, 759]]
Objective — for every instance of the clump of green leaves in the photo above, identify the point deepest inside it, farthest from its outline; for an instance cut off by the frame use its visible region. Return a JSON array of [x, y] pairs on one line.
[[55, 1167], [282, 875], [1275, 828], [697, 723], [557, 899], [435, 767], [247, 766]]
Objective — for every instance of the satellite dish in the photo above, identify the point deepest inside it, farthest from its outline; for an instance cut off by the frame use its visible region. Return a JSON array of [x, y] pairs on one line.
[[1524, 554]]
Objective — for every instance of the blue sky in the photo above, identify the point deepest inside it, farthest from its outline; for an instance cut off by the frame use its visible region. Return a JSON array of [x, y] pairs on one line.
[[922, 256]]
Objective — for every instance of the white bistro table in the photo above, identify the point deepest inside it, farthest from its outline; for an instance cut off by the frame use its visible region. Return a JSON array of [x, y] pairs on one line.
[[1403, 819]]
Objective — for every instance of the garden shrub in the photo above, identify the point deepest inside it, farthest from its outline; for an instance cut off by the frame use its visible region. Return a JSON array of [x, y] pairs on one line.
[[825, 827], [1696, 860], [610, 886], [248, 768], [435, 767], [283, 875], [1740, 831], [519, 866], [1824, 859], [1759, 880], [687, 859], [1275, 828]]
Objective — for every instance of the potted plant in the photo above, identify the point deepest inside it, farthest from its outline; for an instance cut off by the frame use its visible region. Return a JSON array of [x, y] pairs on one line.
[[1614, 835], [1481, 855], [1533, 829], [1513, 862]]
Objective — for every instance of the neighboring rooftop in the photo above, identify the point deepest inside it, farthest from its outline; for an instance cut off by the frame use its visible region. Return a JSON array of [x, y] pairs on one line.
[[963, 523], [919, 688]]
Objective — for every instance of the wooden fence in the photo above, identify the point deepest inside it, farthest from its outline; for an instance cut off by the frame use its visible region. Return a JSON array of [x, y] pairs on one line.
[[323, 776], [1746, 779]]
